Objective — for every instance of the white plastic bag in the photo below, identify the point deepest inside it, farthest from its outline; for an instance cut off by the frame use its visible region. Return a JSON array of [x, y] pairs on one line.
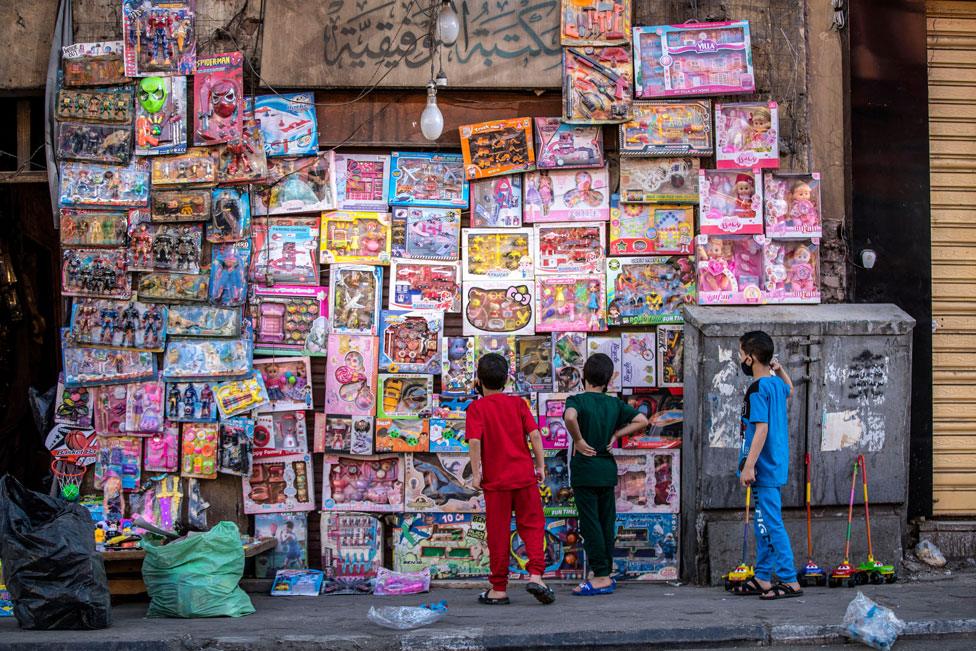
[[874, 625], [928, 553], [403, 618]]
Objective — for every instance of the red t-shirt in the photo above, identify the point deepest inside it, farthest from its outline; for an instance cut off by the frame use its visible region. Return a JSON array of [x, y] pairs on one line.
[[502, 422]]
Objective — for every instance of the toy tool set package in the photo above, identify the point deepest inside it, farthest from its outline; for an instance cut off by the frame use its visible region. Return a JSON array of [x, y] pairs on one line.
[[597, 84], [497, 147]]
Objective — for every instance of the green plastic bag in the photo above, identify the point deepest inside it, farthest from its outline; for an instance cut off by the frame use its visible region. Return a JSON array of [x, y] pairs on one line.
[[197, 576]]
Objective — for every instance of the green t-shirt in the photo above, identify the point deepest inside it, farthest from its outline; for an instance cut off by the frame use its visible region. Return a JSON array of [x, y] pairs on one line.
[[599, 416]]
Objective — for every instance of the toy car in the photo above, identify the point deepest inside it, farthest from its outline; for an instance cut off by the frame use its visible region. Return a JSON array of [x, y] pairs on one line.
[[738, 576]]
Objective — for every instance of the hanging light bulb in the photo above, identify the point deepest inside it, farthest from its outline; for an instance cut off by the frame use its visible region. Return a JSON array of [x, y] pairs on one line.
[[441, 79], [448, 25], [431, 120]]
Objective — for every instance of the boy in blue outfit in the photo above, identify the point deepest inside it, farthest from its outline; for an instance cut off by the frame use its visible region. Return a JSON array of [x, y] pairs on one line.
[[764, 462]]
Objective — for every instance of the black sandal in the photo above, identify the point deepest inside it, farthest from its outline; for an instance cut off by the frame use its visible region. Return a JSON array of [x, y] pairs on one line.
[[543, 593], [780, 591], [483, 598], [748, 588]]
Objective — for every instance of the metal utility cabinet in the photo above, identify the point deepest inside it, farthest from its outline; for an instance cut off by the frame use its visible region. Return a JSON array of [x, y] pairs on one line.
[[851, 368]]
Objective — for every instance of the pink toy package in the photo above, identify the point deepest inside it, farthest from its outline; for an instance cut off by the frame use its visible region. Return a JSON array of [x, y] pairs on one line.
[[747, 135], [373, 483], [638, 356], [555, 436], [218, 99], [144, 407], [642, 229], [290, 320], [792, 271], [793, 207], [110, 409], [648, 481], [350, 376], [730, 202], [566, 195], [162, 449], [730, 269], [571, 304]]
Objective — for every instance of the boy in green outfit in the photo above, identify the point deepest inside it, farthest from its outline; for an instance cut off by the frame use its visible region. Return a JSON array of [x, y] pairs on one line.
[[595, 421]]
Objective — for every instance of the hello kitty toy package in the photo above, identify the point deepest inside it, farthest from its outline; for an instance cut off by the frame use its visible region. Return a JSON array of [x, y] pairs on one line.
[[792, 205], [791, 270], [730, 269]]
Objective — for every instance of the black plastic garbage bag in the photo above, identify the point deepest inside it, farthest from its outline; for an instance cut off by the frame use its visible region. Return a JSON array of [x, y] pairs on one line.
[[55, 577]]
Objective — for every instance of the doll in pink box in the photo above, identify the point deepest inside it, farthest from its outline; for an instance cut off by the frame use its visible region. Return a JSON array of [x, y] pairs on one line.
[[760, 136], [744, 188], [775, 267], [715, 273], [801, 211], [800, 269]]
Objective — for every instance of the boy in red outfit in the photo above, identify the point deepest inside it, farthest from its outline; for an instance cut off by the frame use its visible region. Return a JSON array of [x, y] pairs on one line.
[[496, 429]]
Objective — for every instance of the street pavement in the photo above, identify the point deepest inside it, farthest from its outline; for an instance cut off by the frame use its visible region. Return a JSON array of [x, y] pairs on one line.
[[939, 612]]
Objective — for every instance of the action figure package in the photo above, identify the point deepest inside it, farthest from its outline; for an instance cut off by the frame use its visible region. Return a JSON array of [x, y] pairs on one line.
[[352, 552], [201, 359], [73, 407], [450, 545], [570, 303], [351, 375], [92, 228], [793, 206], [747, 135], [288, 381], [648, 481], [609, 345], [279, 485], [190, 402], [119, 456], [143, 407], [201, 442], [497, 147], [448, 435], [280, 433], [426, 233], [218, 98], [166, 287], [647, 290], [363, 181], [94, 64], [646, 547], [670, 356], [730, 202], [563, 546], [792, 271], [85, 366], [98, 273], [345, 434], [236, 397], [298, 185], [204, 321], [403, 396], [533, 370], [566, 195], [638, 357], [230, 215], [457, 365], [160, 116], [410, 341], [288, 123], [672, 128], [595, 22], [498, 307], [555, 436], [497, 202], [96, 184], [242, 159], [566, 146], [236, 443], [493, 254], [290, 532], [659, 180], [440, 483], [290, 319], [356, 237], [570, 248], [556, 493], [730, 269], [428, 179], [503, 345], [97, 143], [597, 84], [285, 251], [103, 105], [425, 285], [197, 167], [192, 205], [119, 324], [693, 59], [164, 247], [372, 484], [355, 294], [161, 451], [641, 229], [568, 356], [228, 273], [159, 37]]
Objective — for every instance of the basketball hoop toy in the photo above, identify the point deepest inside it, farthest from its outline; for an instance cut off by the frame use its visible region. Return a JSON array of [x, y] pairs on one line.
[[69, 474]]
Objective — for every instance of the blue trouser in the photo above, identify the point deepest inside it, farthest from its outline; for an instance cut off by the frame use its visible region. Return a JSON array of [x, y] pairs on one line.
[[773, 551]]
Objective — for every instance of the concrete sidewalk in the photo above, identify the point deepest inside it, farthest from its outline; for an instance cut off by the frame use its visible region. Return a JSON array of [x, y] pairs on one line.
[[637, 616]]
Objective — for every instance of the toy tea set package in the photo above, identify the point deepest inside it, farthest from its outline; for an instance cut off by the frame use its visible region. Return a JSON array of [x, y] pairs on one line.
[[498, 307]]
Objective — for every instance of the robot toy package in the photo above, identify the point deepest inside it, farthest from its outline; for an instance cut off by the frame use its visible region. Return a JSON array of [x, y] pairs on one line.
[[218, 98], [180, 205], [556, 493], [98, 273], [165, 247], [242, 159], [159, 37], [236, 444], [533, 371], [568, 357], [197, 167], [230, 215], [119, 324]]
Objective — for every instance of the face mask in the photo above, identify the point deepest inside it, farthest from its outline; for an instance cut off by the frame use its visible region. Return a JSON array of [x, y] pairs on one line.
[[746, 368]]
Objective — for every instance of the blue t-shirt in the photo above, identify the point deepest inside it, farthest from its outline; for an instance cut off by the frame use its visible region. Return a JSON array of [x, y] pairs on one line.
[[765, 402]]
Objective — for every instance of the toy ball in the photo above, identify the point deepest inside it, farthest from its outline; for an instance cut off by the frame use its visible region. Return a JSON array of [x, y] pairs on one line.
[[292, 379], [76, 440], [69, 492]]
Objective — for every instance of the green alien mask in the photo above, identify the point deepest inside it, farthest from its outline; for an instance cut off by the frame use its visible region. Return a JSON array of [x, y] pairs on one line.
[[152, 94]]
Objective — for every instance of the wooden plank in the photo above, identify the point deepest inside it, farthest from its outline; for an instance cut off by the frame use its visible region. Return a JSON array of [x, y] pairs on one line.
[[953, 500], [125, 587]]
